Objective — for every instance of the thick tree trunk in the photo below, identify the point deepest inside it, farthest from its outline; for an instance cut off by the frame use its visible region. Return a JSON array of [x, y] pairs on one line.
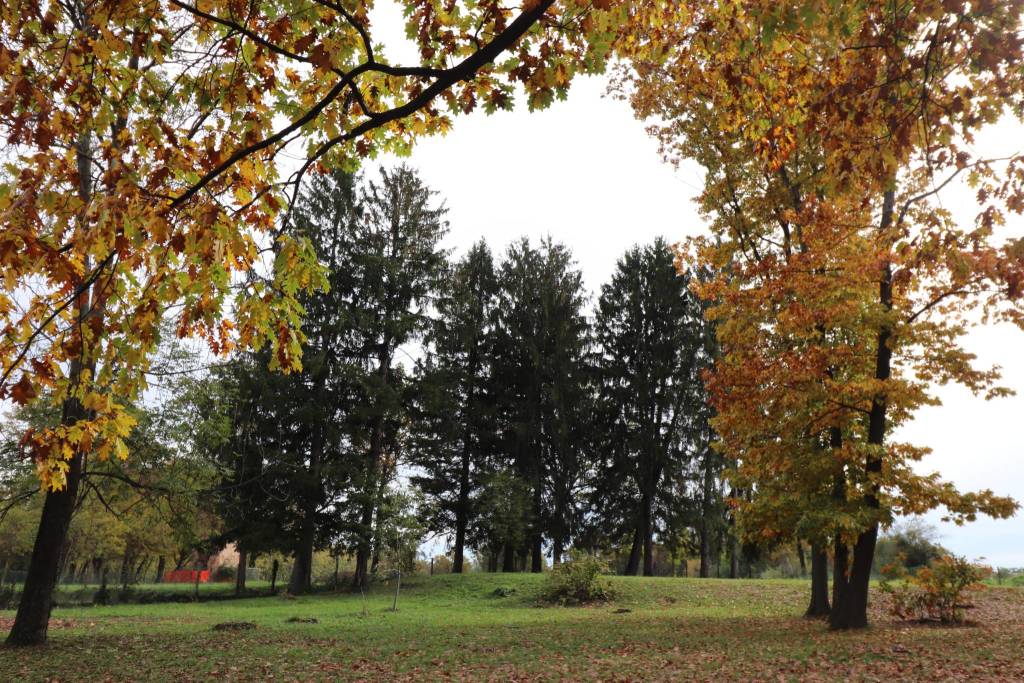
[[705, 554], [852, 610], [361, 578], [273, 575], [160, 566], [301, 579], [818, 606], [509, 559], [461, 514], [32, 619], [633, 564], [240, 571], [734, 557], [647, 524]]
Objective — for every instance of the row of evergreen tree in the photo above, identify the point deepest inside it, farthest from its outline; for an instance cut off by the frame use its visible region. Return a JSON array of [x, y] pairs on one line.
[[483, 393]]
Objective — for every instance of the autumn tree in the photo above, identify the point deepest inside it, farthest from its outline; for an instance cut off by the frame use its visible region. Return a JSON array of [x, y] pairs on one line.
[[826, 144], [141, 153]]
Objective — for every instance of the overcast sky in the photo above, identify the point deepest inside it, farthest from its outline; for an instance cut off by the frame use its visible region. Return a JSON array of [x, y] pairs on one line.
[[586, 173]]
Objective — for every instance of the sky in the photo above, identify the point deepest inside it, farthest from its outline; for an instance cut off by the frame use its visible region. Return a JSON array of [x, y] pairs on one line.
[[586, 173]]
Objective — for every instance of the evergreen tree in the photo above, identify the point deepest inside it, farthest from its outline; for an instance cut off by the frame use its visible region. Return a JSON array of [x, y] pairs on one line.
[[542, 371], [650, 332], [391, 266], [455, 417]]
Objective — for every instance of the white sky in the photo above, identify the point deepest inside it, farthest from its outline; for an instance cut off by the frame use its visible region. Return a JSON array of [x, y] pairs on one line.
[[586, 173]]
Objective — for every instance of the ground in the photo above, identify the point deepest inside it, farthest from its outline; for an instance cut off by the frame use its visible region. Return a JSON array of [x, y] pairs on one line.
[[457, 627]]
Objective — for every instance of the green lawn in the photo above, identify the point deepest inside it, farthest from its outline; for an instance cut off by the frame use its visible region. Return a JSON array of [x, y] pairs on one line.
[[455, 626]]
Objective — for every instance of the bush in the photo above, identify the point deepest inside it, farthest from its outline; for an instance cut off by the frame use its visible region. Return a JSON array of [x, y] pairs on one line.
[[577, 582], [936, 592], [224, 573]]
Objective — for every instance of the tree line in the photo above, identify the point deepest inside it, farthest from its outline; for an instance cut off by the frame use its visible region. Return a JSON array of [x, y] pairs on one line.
[[524, 424], [480, 400]]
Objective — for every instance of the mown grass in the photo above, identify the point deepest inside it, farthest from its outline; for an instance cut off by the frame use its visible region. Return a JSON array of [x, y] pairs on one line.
[[456, 627]]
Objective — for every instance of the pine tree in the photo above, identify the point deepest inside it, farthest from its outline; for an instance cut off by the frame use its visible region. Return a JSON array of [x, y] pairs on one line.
[[651, 335], [543, 371], [455, 417], [391, 267]]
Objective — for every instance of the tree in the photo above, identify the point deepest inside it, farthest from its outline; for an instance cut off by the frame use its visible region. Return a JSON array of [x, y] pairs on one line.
[[391, 269], [650, 332], [829, 242], [456, 419], [143, 143], [542, 367]]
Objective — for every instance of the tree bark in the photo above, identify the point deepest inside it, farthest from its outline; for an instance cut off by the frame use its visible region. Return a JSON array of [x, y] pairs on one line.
[[852, 610], [557, 551], [647, 522], [800, 555], [240, 571], [273, 575], [32, 620], [301, 578], [818, 606], [705, 552], [537, 554], [509, 560], [160, 566], [462, 513], [633, 564], [361, 578]]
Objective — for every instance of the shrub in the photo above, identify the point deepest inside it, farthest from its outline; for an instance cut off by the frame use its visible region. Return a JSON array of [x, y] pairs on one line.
[[577, 582], [936, 592], [224, 573]]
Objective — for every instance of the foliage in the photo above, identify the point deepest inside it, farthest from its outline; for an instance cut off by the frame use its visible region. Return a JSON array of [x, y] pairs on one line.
[[454, 421], [936, 592], [912, 544], [543, 374], [579, 581], [143, 146], [829, 239], [652, 344]]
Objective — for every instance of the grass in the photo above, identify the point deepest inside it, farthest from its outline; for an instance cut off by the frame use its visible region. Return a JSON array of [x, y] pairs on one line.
[[456, 626]]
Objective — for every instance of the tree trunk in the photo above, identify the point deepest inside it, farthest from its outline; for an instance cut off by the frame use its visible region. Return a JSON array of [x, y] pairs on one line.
[[31, 622], [800, 555], [734, 558], [462, 513], [818, 606], [633, 564], [537, 554], [852, 611], [160, 566], [32, 619], [557, 551], [647, 522], [273, 575], [240, 571], [301, 579], [361, 577], [126, 569], [705, 552], [509, 561]]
